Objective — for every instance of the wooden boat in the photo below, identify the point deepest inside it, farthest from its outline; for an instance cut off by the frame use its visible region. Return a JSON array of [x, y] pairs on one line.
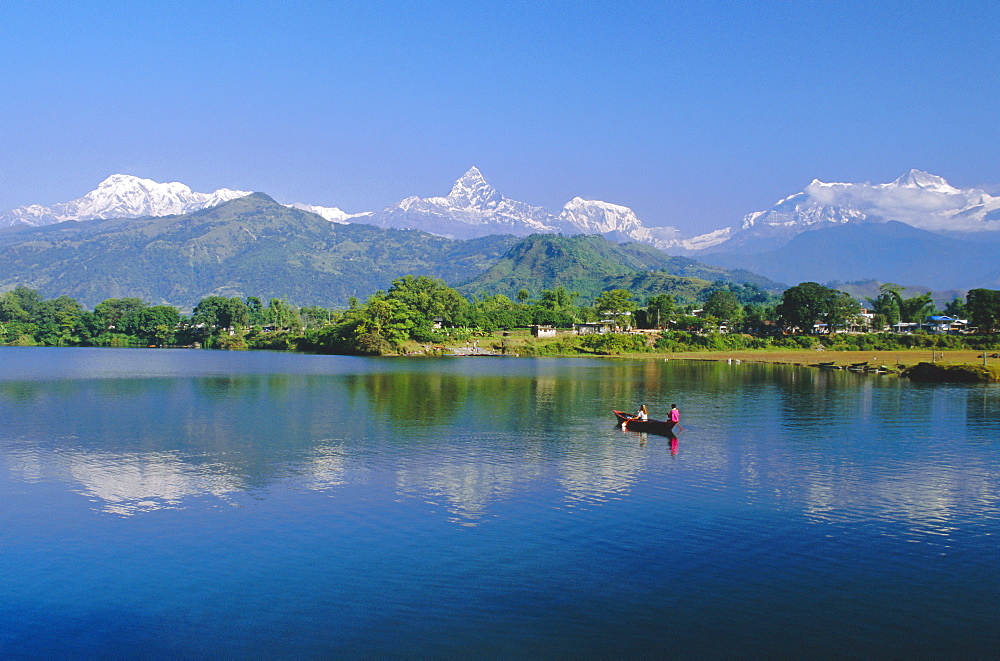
[[661, 427]]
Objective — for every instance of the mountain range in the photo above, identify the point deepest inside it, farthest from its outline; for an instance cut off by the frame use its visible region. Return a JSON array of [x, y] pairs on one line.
[[472, 209], [917, 198], [777, 242], [121, 196], [253, 246]]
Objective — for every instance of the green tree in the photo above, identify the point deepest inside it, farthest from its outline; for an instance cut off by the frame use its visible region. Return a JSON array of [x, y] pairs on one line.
[[841, 309], [757, 317], [916, 308], [423, 300], [314, 316], [803, 305], [256, 310], [156, 324], [213, 313], [983, 306], [384, 318], [110, 313], [807, 303], [57, 321], [11, 309], [558, 298], [886, 304], [661, 309], [26, 299], [891, 305], [725, 306], [281, 315], [491, 313], [956, 308], [616, 303]]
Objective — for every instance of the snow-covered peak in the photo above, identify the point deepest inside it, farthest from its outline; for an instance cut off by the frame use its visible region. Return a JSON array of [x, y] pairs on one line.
[[474, 208], [917, 198], [924, 181], [471, 191], [708, 240], [123, 196], [596, 217], [333, 214]]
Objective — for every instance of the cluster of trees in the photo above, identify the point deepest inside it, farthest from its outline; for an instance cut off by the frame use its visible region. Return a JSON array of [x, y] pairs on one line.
[[983, 309], [414, 308], [890, 308], [426, 310], [27, 319], [809, 303]]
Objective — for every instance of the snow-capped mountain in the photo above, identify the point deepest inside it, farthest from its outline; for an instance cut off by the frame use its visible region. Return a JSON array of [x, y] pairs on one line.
[[333, 214], [474, 208], [122, 196], [917, 198], [580, 216]]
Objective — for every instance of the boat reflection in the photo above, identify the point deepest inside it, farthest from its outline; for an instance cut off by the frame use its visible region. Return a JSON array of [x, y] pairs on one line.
[[644, 436]]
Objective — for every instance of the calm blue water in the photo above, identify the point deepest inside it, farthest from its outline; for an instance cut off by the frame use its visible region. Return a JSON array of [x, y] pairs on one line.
[[195, 504]]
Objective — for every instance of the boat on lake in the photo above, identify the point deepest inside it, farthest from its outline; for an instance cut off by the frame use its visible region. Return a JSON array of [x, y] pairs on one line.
[[661, 427]]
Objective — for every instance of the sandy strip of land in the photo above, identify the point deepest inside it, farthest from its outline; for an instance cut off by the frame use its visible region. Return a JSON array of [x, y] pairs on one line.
[[890, 359]]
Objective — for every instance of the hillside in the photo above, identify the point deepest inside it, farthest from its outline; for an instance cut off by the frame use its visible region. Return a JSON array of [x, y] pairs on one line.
[[249, 246], [253, 246], [591, 264]]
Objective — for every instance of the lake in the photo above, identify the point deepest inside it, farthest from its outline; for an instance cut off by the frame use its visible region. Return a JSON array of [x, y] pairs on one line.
[[195, 504]]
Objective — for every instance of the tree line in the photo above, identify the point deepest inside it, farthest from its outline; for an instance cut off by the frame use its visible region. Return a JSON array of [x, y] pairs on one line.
[[426, 310]]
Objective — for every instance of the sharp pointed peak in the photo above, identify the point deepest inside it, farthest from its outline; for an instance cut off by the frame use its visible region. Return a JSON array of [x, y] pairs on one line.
[[472, 190], [472, 176], [921, 179]]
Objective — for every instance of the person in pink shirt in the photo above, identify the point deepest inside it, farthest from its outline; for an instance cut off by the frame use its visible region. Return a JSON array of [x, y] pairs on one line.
[[675, 415]]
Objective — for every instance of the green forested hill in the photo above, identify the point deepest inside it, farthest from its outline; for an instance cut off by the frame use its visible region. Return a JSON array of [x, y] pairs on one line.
[[252, 246], [591, 264]]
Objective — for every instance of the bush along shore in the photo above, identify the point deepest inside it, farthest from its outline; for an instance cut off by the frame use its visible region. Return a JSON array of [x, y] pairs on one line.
[[423, 316], [940, 373]]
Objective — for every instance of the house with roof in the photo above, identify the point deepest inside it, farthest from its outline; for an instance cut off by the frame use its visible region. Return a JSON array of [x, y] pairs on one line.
[[945, 324], [541, 330], [599, 327]]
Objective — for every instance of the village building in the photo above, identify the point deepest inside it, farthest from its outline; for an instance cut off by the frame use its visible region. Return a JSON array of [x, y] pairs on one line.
[[539, 330], [592, 328]]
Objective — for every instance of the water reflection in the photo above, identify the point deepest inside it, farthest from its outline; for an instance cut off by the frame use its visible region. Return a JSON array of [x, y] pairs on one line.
[[465, 486], [128, 483], [469, 436]]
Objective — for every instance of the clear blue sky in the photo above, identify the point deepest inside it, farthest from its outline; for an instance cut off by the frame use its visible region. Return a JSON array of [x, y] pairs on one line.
[[692, 113]]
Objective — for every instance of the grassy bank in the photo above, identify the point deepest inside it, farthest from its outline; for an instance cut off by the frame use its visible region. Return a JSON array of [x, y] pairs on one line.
[[893, 359], [640, 347]]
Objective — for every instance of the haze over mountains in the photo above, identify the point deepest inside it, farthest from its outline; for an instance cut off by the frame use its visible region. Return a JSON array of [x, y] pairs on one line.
[[775, 242]]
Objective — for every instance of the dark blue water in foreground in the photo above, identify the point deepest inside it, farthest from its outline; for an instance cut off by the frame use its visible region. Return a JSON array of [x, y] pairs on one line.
[[202, 504]]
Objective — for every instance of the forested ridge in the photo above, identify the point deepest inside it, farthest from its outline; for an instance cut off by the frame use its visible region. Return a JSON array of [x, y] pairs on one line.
[[254, 246], [425, 311]]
